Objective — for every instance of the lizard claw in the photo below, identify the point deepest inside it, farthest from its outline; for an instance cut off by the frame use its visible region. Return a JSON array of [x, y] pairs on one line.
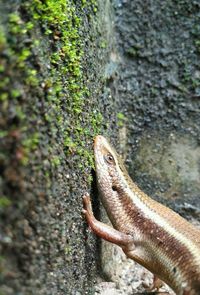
[[87, 202], [87, 210]]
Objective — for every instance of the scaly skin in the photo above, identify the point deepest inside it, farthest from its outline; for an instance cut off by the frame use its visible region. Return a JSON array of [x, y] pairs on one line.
[[148, 232]]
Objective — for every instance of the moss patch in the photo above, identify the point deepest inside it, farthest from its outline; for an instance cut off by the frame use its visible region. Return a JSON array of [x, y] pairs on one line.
[[50, 116], [65, 80], [4, 202]]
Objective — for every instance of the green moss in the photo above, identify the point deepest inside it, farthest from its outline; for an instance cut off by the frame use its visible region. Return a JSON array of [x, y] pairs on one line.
[[4, 82], [15, 67], [31, 77], [4, 202], [60, 22], [2, 68], [15, 93], [22, 56], [92, 3], [48, 73], [55, 161], [3, 96], [19, 53], [64, 82], [32, 142], [103, 44], [17, 25], [2, 39], [3, 134], [69, 143], [120, 119], [20, 113], [133, 52], [68, 250], [29, 145]]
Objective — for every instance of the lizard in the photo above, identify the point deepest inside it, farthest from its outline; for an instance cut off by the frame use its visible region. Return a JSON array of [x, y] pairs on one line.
[[148, 232]]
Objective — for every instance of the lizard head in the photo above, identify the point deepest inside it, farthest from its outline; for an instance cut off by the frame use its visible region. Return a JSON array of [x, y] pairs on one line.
[[112, 176]]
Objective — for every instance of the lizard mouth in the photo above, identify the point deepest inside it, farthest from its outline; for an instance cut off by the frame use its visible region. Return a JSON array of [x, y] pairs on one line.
[[98, 149], [99, 139]]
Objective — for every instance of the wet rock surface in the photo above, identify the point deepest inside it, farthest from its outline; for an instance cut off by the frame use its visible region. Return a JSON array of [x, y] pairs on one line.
[[156, 82], [158, 85]]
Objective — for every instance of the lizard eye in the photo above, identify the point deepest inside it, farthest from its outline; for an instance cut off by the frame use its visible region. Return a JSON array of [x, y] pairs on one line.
[[109, 159]]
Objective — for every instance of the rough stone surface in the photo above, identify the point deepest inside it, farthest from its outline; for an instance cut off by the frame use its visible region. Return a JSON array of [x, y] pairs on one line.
[[51, 108], [156, 81], [158, 84]]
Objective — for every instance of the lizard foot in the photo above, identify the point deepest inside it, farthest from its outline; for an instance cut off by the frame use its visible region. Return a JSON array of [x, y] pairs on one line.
[[156, 284]]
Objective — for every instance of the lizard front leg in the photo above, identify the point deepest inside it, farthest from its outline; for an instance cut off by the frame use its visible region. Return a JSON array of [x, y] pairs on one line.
[[108, 233], [103, 230]]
